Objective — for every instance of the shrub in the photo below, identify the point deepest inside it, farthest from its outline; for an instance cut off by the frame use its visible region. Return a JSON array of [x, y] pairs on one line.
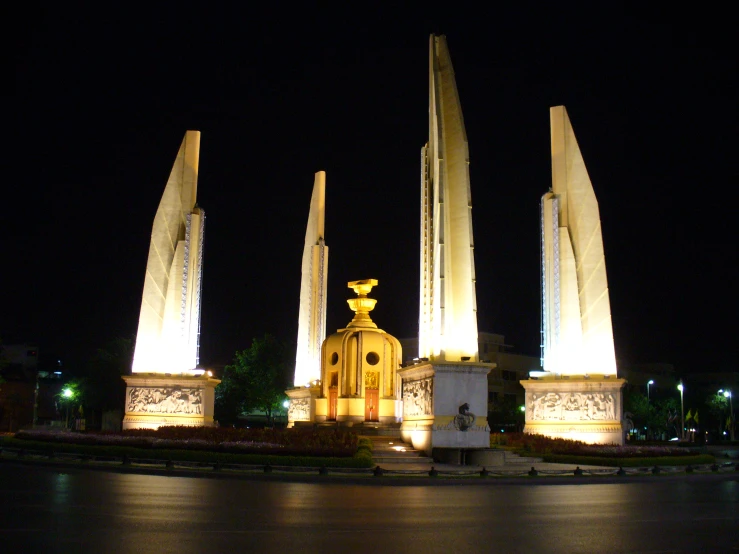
[[542, 445], [696, 459]]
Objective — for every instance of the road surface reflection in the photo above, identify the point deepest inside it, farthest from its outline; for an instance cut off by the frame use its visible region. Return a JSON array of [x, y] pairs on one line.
[[91, 511]]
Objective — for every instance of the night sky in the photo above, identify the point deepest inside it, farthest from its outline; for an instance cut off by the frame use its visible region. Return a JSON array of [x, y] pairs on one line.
[[103, 97]]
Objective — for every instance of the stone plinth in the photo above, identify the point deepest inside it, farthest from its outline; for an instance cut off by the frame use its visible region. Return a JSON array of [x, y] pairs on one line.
[[302, 408], [578, 408], [155, 399], [445, 405]]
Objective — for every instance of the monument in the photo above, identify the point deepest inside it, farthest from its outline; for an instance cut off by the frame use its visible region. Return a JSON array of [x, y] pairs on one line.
[[312, 313], [445, 392], [359, 364], [165, 387], [578, 395]]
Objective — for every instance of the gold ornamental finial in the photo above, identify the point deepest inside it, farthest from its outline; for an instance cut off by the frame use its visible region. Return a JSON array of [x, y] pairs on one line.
[[362, 305]]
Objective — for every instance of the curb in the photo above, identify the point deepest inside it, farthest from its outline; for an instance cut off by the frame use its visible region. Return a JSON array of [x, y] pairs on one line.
[[337, 476]]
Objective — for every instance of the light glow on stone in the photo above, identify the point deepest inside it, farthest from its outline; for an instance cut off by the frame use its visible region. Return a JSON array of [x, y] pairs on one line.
[[313, 289], [168, 334], [577, 334], [448, 306]]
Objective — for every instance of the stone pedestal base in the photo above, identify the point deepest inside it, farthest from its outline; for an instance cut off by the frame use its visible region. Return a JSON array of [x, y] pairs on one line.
[[302, 408], [445, 405], [155, 399], [578, 408]]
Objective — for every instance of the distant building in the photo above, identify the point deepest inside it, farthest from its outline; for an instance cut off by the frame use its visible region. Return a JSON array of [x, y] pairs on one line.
[[18, 372], [22, 357], [638, 375], [21, 375]]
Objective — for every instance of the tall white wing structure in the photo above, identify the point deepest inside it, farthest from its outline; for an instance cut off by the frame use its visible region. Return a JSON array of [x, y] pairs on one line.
[[448, 310], [312, 316], [169, 324], [577, 335]]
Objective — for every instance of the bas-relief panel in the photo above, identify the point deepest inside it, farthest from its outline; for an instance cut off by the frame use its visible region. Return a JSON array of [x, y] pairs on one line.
[[162, 400], [572, 406], [299, 410], [371, 380], [418, 397]]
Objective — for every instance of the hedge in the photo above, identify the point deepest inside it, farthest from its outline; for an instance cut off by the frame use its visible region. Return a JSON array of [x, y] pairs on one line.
[[697, 459]]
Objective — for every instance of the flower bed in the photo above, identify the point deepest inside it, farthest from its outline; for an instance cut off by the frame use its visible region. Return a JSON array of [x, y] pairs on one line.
[[276, 442], [541, 445], [362, 459]]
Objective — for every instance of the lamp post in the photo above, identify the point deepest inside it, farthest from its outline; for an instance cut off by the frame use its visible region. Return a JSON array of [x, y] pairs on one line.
[[35, 401], [68, 395], [650, 382], [727, 394], [682, 411]]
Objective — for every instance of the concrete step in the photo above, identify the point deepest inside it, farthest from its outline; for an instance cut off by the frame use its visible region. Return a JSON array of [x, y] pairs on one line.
[[513, 458], [392, 451], [410, 453], [379, 460], [369, 429]]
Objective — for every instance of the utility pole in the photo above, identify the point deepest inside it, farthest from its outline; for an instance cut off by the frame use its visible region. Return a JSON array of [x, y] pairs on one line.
[[682, 411]]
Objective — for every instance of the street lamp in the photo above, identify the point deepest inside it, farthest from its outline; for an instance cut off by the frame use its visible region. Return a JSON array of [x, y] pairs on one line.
[[68, 394], [727, 394], [650, 382], [682, 411]]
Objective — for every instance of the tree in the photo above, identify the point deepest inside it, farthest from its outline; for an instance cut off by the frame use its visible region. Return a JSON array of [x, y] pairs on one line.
[[99, 386], [104, 371], [506, 413], [256, 380], [3, 362], [645, 414], [718, 405], [69, 399], [668, 415]]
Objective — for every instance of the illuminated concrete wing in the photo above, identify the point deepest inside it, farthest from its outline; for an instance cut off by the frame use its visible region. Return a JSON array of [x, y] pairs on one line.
[[577, 336], [169, 324], [448, 311], [312, 316]]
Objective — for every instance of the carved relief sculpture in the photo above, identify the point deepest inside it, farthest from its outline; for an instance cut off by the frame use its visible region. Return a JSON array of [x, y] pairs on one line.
[[164, 400], [574, 406], [299, 410], [418, 397], [371, 380], [464, 419]]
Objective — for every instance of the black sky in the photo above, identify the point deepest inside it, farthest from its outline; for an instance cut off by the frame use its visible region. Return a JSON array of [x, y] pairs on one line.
[[101, 99]]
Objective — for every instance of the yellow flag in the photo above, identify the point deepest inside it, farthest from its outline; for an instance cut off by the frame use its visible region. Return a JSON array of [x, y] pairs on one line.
[[695, 417], [689, 416]]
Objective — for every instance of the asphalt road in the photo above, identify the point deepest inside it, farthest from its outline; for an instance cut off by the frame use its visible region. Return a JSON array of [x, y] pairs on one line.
[[47, 510]]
